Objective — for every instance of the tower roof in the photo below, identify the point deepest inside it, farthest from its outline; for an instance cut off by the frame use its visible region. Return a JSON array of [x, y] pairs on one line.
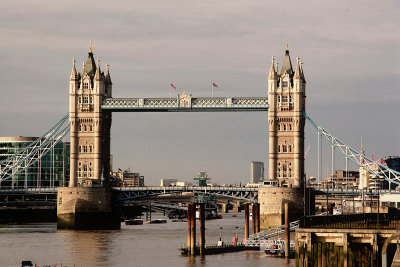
[[287, 64], [90, 65]]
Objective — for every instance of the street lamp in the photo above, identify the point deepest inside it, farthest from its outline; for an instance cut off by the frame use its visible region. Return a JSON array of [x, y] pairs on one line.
[[341, 196], [311, 180], [327, 195], [220, 234]]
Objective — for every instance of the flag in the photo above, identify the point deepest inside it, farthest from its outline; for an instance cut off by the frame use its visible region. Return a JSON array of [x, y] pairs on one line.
[[173, 86], [214, 85]]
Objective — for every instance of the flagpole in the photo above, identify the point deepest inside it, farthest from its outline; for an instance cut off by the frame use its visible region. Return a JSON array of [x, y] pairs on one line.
[[212, 90]]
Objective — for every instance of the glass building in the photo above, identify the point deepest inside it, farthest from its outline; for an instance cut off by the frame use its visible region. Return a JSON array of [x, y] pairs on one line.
[[52, 170]]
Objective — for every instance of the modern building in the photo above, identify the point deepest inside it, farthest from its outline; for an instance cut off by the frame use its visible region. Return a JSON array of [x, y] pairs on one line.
[[52, 170], [168, 182], [256, 172], [128, 178], [341, 179]]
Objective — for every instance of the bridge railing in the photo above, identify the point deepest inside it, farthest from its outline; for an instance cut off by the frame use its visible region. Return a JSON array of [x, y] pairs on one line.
[[353, 221]]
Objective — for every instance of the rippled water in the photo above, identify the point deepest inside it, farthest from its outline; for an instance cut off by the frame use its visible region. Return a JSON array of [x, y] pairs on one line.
[[133, 245]]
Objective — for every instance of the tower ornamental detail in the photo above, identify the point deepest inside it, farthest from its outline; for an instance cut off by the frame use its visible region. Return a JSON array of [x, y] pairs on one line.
[[90, 125], [286, 98]]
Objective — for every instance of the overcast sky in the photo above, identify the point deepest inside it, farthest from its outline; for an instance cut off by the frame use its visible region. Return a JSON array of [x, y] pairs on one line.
[[350, 51]]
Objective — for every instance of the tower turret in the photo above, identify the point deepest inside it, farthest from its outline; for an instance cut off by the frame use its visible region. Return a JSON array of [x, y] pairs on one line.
[[90, 126], [286, 123]]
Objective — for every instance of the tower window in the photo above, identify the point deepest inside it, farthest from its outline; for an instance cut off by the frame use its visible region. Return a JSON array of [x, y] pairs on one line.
[[284, 127], [284, 84], [284, 99], [279, 149], [279, 127], [290, 126], [85, 85], [284, 148], [290, 149]]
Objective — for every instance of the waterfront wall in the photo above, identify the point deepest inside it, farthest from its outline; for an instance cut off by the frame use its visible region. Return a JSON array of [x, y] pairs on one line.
[[86, 208]]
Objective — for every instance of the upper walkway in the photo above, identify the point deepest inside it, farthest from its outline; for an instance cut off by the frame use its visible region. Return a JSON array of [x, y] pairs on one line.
[[186, 104]]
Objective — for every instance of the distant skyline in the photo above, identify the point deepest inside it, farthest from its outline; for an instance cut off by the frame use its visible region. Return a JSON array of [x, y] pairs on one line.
[[350, 51]]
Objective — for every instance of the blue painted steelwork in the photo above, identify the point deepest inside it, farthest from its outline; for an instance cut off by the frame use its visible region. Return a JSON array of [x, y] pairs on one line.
[[374, 167], [185, 104]]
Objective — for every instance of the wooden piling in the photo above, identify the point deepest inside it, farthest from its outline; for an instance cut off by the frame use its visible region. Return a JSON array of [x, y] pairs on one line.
[[253, 225], [193, 230], [246, 221], [287, 231], [189, 219], [202, 229]]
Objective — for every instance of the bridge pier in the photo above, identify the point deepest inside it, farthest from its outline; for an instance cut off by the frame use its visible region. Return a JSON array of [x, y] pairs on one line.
[[86, 208]]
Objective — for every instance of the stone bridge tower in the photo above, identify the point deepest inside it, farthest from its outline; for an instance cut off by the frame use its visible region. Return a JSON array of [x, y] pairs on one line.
[[286, 97], [83, 205], [90, 125]]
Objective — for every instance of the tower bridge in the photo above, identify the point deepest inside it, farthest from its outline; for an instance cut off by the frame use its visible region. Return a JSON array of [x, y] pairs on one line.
[[90, 116]]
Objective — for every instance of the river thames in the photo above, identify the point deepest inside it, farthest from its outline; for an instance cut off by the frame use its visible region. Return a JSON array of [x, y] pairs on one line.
[[133, 245]]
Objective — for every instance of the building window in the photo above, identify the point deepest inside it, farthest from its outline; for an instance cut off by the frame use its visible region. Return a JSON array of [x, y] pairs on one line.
[[284, 99], [279, 127], [79, 128], [91, 128], [290, 126], [80, 150], [85, 85], [284, 171], [284, 148], [284, 84], [279, 149], [284, 127], [290, 149], [91, 149]]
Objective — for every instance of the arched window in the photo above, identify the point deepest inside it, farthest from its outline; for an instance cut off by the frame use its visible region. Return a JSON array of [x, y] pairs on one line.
[[290, 149], [90, 149], [284, 127], [80, 128], [290, 126], [279, 149], [284, 148], [284, 168], [91, 128], [85, 127], [279, 127]]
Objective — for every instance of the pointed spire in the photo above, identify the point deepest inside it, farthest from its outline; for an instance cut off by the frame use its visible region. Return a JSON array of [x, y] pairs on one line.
[[297, 73], [90, 65], [73, 72], [108, 77], [287, 44], [97, 75], [272, 73], [90, 48], [287, 64], [301, 70]]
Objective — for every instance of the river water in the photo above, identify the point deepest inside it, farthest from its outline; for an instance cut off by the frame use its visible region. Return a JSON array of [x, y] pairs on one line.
[[133, 245]]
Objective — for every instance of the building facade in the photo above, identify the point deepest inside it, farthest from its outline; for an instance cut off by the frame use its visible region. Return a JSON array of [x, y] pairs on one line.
[[256, 172], [286, 99], [52, 170], [128, 178], [90, 125]]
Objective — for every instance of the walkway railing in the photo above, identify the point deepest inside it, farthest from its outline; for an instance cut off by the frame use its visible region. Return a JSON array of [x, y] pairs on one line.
[[263, 236]]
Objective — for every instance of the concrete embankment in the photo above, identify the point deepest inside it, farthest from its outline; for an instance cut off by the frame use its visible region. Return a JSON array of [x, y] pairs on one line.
[[32, 214]]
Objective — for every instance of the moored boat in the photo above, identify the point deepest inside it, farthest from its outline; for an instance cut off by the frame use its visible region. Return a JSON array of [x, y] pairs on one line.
[[133, 222]]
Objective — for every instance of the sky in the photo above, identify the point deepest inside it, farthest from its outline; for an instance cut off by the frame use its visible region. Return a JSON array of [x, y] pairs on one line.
[[350, 51]]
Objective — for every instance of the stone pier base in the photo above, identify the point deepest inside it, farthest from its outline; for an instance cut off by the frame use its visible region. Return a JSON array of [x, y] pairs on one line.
[[273, 199], [88, 208]]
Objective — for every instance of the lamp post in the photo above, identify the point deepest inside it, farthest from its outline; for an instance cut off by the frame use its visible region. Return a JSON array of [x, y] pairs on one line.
[[311, 180], [220, 234], [327, 195], [341, 196]]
